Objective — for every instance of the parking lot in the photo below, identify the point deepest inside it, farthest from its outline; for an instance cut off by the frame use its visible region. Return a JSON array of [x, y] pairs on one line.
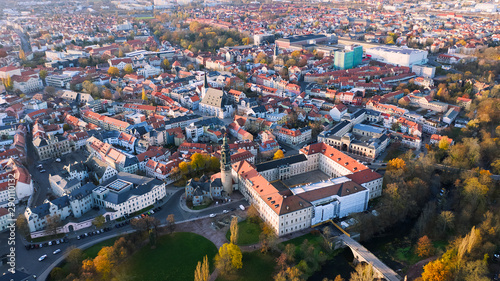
[[40, 176]]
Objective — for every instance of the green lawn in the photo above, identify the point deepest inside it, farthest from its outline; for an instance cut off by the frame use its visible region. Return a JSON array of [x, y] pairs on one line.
[[314, 239], [92, 252], [256, 267], [175, 258], [248, 233]]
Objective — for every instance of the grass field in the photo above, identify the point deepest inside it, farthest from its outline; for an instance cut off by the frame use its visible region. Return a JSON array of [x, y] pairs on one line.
[[174, 258], [256, 267], [144, 18], [248, 233]]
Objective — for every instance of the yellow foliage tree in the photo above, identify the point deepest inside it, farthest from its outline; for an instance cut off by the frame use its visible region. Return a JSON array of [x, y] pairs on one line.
[[128, 68], [113, 71], [228, 259], [144, 96], [279, 154], [396, 164], [436, 271], [444, 143]]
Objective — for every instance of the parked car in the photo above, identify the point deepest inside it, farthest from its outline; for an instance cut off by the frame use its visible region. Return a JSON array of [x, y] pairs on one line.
[[42, 171], [213, 215], [58, 160], [242, 207], [225, 211], [42, 258], [56, 251]]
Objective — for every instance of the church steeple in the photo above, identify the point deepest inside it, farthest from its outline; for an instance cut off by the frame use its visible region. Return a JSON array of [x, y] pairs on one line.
[[205, 86]]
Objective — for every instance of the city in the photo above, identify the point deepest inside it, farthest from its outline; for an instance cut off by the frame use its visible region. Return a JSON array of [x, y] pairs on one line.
[[249, 140]]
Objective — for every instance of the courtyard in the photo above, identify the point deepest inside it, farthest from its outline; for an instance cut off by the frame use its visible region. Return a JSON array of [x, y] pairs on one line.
[[309, 177]]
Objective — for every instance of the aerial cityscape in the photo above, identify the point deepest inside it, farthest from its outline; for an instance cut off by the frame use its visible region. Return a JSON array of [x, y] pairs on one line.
[[254, 140]]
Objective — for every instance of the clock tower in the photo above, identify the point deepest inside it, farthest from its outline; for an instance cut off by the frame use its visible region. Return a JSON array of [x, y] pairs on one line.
[[225, 167]]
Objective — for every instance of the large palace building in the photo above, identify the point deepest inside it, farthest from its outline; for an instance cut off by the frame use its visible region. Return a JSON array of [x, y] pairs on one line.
[[289, 196]]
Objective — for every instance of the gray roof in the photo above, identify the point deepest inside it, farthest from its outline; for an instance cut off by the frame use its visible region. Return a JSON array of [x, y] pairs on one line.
[[281, 162], [82, 191], [214, 97], [141, 186], [368, 128]]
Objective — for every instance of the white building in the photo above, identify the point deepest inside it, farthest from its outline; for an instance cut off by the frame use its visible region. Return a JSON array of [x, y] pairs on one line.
[[348, 191], [398, 56]]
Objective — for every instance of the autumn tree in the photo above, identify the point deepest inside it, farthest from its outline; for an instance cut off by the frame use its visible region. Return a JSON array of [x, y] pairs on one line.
[[144, 95], [113, 71], [103, 263], [22, 55], [165, 65], [74, 257], [278, 154], [338, 278], [253, 214], [228, 259], [99, 221], [396, 164], [7, 83], [424, 247], [145, 223], [444, 143], [234, 230], [22, 225], [128, 68], [43, 74], [202, 272], [363, 272], [446, 219], [436, 271], [171, 223]]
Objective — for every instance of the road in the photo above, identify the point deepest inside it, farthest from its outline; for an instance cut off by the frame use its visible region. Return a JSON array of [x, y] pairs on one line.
[[25, 43], [28, 260]]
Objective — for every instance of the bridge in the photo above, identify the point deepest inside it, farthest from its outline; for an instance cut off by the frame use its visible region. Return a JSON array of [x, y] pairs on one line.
[[361, 254]]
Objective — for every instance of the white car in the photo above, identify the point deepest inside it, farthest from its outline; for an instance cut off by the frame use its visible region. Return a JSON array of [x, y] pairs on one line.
[[56, 251], [225, 211], [42, 258], [58, 160], [242, 207], [213, 215]]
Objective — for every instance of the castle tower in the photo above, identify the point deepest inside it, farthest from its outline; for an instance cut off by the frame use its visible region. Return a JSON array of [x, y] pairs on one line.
[[225, 167]]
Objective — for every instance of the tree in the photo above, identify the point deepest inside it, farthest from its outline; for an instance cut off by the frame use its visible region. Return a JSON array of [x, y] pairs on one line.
[[444, 143], [424, 247], [202, 272], [165, 65], [102, 263], [145, 223], [22, 225], [436, 271], [446, 218], [120, 53], [74, 257], [53, 222], [228, 259], [43, 74], [253, 214], [98, 221], [22, 55], [144, 96], [128, 68], [363, 272], [171, 223], [279, 154], [234, 230], [8, 84], [338, 278], [113, 71], [396, 164]]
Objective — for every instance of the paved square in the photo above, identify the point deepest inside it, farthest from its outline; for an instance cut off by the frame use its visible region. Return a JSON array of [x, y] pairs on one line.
[[309, 177]]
